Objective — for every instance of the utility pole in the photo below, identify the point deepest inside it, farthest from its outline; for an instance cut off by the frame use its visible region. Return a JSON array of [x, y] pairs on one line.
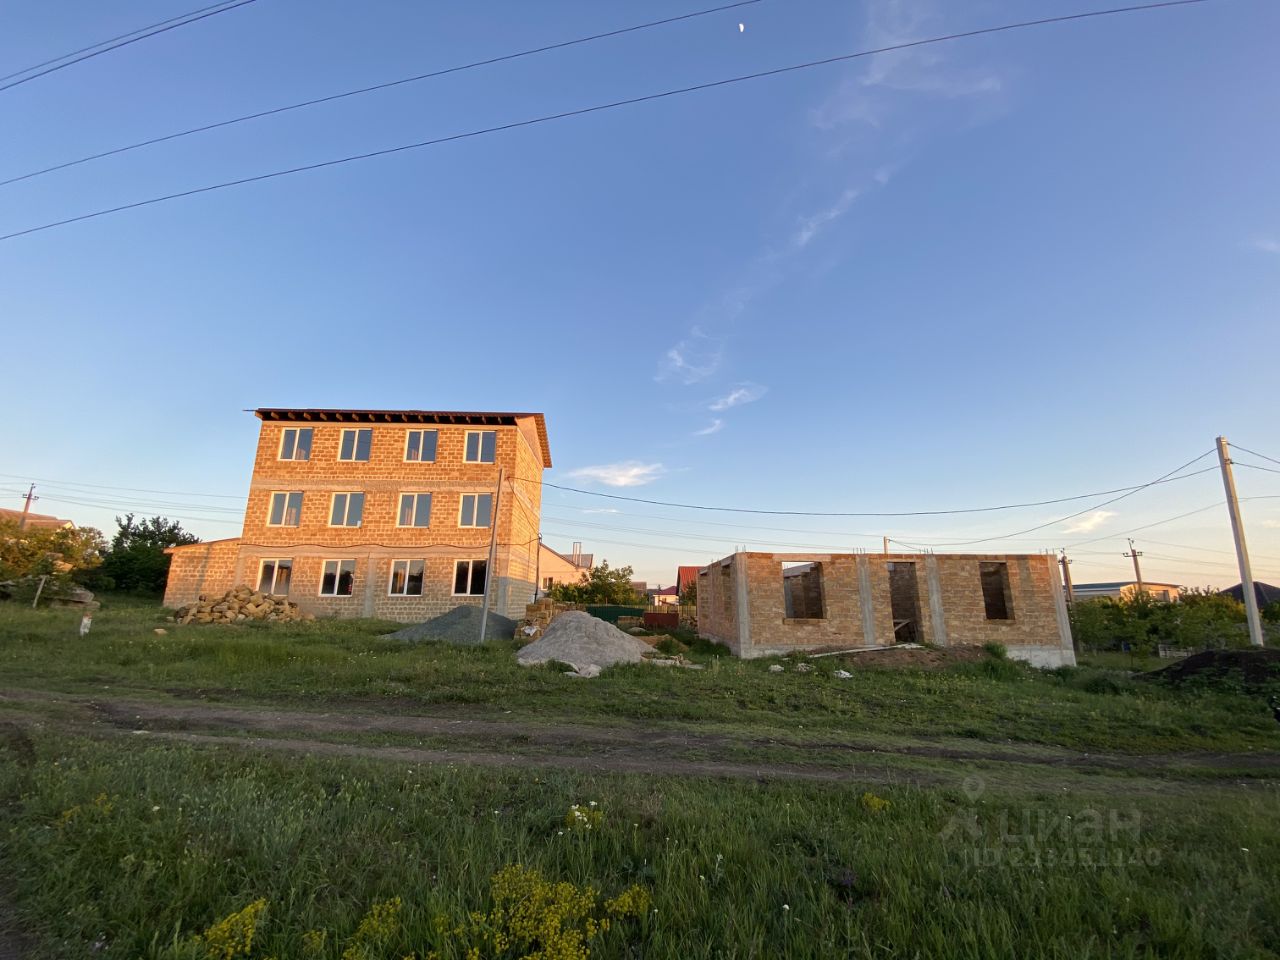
[[886, 546], [1137, 570], [26, 507], [1250, 596], [1066, 576], [490, 570]]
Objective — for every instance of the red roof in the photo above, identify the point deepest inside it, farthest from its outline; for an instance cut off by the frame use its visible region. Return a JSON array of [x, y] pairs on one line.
[[685, 576]]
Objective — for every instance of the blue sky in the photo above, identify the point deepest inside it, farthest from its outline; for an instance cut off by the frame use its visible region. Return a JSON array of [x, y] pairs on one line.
[[1004, 269]]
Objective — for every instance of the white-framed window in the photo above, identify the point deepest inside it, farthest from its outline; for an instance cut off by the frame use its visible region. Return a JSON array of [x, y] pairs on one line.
[[356, 444], [274, 576], [420, 446], [469, 577], [295, 443], [476, 510], [482, 446], [286, 509], [406, 578], [338, 578], [415, 510], [347, 510]]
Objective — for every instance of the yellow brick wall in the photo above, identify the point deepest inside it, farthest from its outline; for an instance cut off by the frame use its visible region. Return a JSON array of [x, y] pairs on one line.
[[1032, 581], [200, 568], [379, 540]]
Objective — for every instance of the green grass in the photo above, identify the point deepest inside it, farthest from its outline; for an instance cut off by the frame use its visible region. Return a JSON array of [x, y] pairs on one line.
[[186, 836], [123, 846], [348, 663]]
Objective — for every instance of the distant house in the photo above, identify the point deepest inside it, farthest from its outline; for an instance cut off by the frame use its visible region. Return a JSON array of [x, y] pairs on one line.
[[665, 596], [1125, 590], [36, 520], [686, 577], [556, 567], [1265, 592]]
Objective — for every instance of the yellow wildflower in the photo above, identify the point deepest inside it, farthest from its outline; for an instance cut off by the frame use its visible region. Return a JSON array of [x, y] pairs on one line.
[[232, 936]]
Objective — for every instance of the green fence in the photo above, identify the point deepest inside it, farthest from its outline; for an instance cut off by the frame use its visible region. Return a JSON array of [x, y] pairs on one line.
[[611, 612]]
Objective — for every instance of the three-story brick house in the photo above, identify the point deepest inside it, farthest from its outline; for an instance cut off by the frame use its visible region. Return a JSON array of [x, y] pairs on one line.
[[382, 513]]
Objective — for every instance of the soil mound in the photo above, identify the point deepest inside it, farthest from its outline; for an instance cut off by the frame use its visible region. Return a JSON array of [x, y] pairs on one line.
[[459, 625], [1250, 671], [582, 641]]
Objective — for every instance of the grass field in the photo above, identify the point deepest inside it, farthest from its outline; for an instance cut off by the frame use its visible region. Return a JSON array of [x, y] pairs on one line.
[[342, 796]]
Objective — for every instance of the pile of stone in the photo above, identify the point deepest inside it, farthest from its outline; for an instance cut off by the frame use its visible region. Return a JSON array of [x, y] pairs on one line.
[[239, 605]]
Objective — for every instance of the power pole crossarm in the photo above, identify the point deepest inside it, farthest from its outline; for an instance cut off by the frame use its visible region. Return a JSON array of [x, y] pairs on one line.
[[27, 497], [1137, 570], [1250, 596]]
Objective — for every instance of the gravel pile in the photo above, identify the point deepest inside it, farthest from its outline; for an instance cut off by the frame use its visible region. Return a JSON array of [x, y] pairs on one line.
[[459, 625], [583, 642]]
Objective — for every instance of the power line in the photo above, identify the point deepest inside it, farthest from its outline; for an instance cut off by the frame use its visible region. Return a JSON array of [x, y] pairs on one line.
[[905, 513], [582, 111], [164, 26], [1254, 466], [107, 486], [1168, 478], [1256, 453], [1097, 506], [375, 87]]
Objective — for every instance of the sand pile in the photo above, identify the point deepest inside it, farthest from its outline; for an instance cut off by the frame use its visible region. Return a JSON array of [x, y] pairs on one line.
[[459, 625], [584, 643]]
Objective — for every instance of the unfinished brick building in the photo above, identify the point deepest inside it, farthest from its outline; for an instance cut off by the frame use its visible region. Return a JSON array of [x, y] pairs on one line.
[[762, 604], [382, 513]]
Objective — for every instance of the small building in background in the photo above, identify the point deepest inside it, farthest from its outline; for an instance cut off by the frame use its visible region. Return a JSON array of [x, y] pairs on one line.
[[764, 604], [36, 521], [685, 578], [556, 567], [665, 596], [1125, 590]]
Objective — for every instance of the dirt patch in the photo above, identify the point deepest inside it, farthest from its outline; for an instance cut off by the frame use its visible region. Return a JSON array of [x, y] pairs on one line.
[[628, 744], [580, 763], [915, 658], [1252, 671]]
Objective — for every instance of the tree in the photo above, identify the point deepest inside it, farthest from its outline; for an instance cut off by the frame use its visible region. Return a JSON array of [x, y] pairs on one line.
[[136, 561], [64, 555], [689, 595], [601, 585]]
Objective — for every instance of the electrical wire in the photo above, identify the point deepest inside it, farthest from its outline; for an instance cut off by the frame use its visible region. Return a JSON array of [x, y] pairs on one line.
[[373, 88], [1254, 466], [1257, 454], [1126, 491], [596, 108], [107, 486], [164, 27], [1096, 506]]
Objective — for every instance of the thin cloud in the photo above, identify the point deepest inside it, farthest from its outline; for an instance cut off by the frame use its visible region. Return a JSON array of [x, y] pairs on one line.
[[745, 393], [715, 426], [694, 358], [628, 473], [872, 97], [810, 227], [1266, 244], [1089, 522]]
